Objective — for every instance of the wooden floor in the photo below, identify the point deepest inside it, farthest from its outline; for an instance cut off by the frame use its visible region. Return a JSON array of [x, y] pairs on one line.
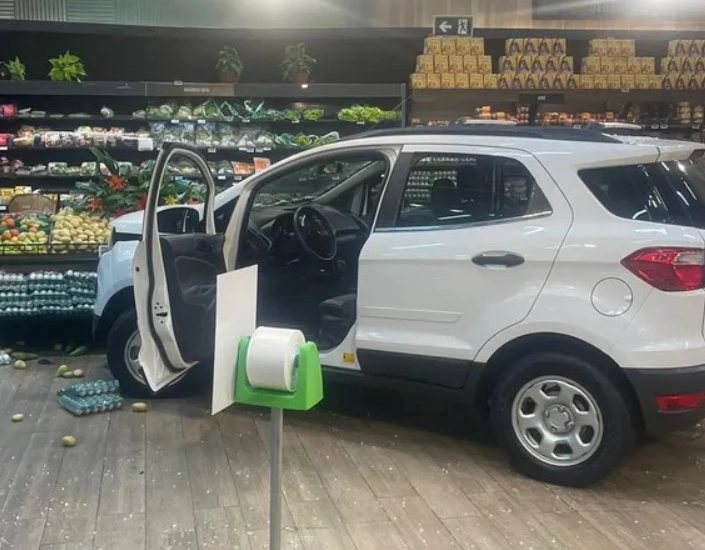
[[177, 478]]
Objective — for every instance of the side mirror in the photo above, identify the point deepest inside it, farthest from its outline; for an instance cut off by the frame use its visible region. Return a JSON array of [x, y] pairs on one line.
[[178, 220]]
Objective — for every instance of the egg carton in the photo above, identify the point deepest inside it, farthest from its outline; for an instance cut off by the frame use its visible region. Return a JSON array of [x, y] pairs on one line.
[[82, 406], [90, 389]]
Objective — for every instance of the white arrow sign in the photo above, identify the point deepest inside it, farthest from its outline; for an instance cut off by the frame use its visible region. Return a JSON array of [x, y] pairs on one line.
[[445, 26]]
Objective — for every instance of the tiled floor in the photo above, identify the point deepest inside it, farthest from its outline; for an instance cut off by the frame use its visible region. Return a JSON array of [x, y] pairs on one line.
[[355, 479]]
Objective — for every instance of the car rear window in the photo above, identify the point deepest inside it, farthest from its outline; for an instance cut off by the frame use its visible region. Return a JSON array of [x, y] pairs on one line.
[[670, 192]]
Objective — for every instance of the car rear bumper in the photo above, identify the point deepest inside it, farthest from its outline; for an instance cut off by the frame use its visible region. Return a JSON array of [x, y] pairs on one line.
[[652, 383]]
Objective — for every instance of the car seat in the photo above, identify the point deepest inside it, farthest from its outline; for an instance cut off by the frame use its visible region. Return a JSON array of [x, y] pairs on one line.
[[338, 315], [475, 190]]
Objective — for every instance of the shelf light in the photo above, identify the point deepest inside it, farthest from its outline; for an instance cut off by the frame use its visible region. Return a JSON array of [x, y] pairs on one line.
[[304, 86]]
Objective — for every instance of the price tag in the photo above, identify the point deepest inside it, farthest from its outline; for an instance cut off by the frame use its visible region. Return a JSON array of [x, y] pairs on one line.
[[664, 126], [201, 121], [577, 126], [3, 148], [360, 123], [174, 120], [211, 150], [265, 149], [654, 126], [221, 177], [696, 126], [178, 82], [250, 149], [295, 121]]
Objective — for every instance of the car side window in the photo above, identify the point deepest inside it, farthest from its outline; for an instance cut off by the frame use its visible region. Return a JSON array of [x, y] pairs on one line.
[[443, 190]]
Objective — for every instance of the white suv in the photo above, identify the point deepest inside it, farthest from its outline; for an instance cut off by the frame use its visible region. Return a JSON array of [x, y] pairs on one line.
[[552, 277]]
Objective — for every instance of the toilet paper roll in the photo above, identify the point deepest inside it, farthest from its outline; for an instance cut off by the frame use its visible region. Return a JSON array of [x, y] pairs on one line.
[[271, 358]]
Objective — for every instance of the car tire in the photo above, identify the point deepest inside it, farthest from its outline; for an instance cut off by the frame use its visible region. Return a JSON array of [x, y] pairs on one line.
[[561, 420], [121, 347]]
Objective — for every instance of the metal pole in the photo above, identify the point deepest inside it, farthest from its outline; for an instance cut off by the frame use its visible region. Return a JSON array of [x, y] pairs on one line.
[[275, 479]]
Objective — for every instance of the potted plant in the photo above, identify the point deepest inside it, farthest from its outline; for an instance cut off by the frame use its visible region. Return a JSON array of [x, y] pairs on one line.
[[297, 64], [66, 68], [229, 65], [16, 69]]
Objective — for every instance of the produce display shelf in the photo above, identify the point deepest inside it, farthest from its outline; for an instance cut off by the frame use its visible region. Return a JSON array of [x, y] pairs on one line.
[[43, 317], [51, 262]]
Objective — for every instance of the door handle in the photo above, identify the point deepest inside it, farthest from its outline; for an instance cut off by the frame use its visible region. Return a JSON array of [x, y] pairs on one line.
[[498, 258]]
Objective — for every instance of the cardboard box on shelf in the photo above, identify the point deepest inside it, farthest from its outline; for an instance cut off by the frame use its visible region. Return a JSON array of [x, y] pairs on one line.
[[484, 64], [688, 64], [695, 82], [628, 81], [448, 45], [627, 47], [601, 81], [614, 47], [554, 64], [477, 81], [462, 81], [546, 46], [655, 81], [418, 81], [669, 81], [538, 64], [641, 81], [447, 81], [545, 81], [597, 47], [560, 81], [633, 65], [682, 81], [699, 66], [586, 81], [532, 82], [424, 64], [433, 81], [566, 64], [477, 46], [470, 64], [455, 64], [490, 81], [695, 49], [648, 65], [590, 65], [621, 65], [508, 64], [614, 81], [524, 63], [519, 81], [432, 45], [607, 65], [513, 46]]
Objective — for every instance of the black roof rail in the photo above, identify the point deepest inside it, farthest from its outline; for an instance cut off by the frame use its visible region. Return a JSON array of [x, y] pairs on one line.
[[535, 132]]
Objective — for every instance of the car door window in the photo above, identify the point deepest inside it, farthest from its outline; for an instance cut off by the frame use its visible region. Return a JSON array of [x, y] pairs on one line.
[[460, 189]]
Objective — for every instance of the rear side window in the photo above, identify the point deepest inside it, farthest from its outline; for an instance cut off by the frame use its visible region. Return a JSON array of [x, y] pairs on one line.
[[667, 192]]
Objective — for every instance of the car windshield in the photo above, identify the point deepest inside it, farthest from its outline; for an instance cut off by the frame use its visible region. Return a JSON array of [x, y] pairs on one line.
[[306, 184]]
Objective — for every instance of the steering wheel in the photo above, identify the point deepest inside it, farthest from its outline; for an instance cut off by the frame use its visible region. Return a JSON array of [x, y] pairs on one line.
[[315, 233]]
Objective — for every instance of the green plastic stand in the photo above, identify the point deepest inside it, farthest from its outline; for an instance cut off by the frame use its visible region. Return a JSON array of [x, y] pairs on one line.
[[309, 382]]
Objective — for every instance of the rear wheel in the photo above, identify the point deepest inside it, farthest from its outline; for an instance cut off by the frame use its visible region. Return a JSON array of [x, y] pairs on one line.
[[123, 361], [561, 420]]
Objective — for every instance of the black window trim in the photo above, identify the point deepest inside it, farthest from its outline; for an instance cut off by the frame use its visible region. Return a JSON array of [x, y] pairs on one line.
[[391, 200]]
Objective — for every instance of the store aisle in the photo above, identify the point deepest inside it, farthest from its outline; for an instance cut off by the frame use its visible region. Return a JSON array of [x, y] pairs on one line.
[[175, 477]]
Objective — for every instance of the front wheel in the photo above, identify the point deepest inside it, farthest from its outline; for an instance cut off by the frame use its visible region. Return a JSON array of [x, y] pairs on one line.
[[561, 420], [123, 352]]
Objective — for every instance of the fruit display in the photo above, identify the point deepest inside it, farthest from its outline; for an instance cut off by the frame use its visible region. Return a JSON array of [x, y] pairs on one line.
[[77, 232], [47, 292], [26, 233]]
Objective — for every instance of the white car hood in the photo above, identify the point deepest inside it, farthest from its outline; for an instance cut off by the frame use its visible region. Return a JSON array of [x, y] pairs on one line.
[[131, 224]]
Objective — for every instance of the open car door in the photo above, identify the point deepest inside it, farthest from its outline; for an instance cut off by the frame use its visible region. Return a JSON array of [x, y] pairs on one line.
[[175, 282]]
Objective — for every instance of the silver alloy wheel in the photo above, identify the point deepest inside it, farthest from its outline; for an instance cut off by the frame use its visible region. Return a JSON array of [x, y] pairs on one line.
[[131, 355], [557, 421]]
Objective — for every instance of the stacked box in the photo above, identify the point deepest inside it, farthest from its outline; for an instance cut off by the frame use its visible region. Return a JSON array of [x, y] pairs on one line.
[[450, 62]]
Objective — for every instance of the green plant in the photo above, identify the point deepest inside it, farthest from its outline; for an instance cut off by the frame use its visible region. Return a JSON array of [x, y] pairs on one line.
[[66, 68], [229, 63], [297, 63], [16, 68]]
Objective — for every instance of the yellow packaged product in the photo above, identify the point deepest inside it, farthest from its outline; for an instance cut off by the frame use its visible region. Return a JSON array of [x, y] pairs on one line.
[[532, 81], [586, 82], [559, 47], [440, 64], [598, 47], [627, 47], [519, 81], [621, 65], [470, 64], [489, 81], [462, 46], [448, 46], [455, 64], [538, 64], [614, 47], [633, 65], [641, 81], [505, 81], [590, 65], [566, 64], [688, 64], [678, 48], [424, 64], [546, 46], [531, 46], [477, 81], [432, 45], [648, 65], [700, 66], [601, 81], [484, 64], [447, 81], [433, 81], [671, 65], [628, 81], [614, 81], [524, 64], [513, 46], [695, 49], [607, 65], [477, 46], [508, 64], [418, 81], [462, 81]]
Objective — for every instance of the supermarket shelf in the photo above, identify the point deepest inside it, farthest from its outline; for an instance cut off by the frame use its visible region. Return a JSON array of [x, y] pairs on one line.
[[201, 89], [35, 262], [43, 317]]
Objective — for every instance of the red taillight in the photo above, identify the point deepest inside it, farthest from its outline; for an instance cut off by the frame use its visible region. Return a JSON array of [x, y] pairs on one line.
[[669, 269], [684, 402]]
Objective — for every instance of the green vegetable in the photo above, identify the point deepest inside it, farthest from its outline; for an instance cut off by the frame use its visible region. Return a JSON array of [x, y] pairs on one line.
[[63, 369], [313, 115], [23, 356], [81, 350], [292, 116]]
